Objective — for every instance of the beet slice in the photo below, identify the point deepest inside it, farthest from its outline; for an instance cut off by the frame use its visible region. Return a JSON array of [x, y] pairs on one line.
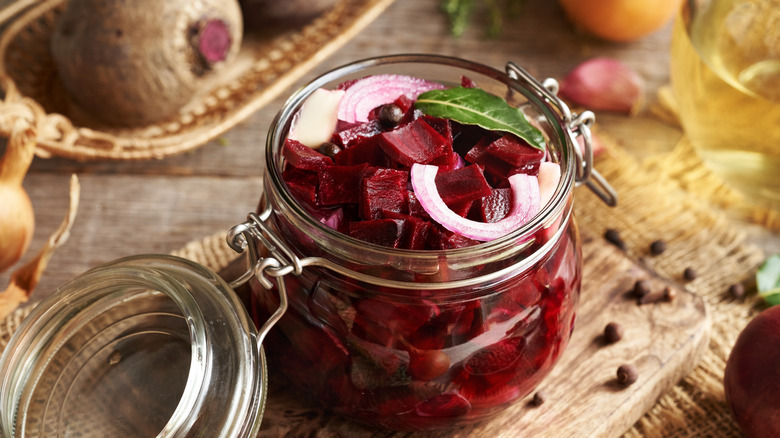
[[367, 151], [339, 184], [384, 232], [442, 238], [414, 232], [384, 190], [357, 133], [495, 358], [304, 157], [302, 184], [462, 185], [519, 154], [494, 207], [414, 142], [506, 156]]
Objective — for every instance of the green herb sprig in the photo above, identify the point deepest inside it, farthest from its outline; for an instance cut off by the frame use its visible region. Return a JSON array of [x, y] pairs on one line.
[[460, 13]]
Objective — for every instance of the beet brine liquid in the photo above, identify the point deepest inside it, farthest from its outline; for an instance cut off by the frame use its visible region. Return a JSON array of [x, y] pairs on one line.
[[424, 206]]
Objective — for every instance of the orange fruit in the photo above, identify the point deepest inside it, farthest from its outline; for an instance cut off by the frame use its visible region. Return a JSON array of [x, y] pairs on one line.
[[620, 20]]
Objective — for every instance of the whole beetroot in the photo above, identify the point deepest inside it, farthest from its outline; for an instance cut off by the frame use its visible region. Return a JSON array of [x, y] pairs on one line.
[[132, 63], [752, 376]]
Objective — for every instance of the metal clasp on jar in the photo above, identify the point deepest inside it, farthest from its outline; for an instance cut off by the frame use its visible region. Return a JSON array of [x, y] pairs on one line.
[[576, 125]]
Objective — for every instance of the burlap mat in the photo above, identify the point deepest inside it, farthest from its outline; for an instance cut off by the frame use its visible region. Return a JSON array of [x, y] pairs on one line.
[[657, 201]]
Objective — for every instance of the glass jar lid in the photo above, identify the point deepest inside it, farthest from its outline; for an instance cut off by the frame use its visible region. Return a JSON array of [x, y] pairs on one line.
[[143, 346]]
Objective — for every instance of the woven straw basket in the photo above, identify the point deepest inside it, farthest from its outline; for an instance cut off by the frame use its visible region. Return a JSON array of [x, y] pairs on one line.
[[265, 68]]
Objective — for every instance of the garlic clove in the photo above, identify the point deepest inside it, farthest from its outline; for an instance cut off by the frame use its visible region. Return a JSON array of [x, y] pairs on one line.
[[604, 84]]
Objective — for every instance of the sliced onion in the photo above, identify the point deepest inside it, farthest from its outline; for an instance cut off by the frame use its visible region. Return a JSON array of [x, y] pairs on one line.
[[549, 176], [372, 91], [525, 205]]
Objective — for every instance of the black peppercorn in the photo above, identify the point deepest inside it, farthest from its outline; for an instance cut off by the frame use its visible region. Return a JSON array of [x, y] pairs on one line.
[[539, 398], [627, 374], [390, 115], [613, 332], [657, 247], [737, 291], [641, 288], [613, 236], [690, 274], [329, 149]]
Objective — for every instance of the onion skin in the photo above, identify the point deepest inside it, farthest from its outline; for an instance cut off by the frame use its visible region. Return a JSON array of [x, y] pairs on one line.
[[17, 218], [752, 376], [17, 221]]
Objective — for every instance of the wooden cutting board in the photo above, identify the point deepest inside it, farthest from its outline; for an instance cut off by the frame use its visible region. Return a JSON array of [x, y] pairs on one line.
[[663, 340]]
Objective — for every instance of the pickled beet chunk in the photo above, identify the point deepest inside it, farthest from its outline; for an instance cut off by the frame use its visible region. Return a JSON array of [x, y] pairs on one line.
[[462, 185], [441, 238], [302, 184], [442, 126], [506, 156], [415, 209], [517, 153], [303, 157], [339, 184], [414, 232], [415, 142], [357, 133], [384, 232], [367, 151], [385, 190], [494, 207]]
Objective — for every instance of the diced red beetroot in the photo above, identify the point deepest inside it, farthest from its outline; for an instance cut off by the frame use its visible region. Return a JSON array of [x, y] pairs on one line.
[[442, 126], [357, 133], [462, 185], [494, 207], [495, 358], [467, 82], [302, 184], [448, 162], [404, 102], [414, 233], [461, 208], [384, 190], [464, 137], [385, 232], [415, 209], [303, 157], [441, 238], [367, 151], [522, 156], [480, 155], [339, 184], [415, 142]]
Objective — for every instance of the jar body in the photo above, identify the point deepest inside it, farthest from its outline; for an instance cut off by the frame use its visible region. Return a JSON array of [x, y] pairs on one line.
[[415, 340], [425, 359]]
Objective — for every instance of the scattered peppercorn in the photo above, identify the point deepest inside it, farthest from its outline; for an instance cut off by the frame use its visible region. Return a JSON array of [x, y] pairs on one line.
[[613, 332], [690, 274], [390, 115], [657, 247], [539, 398], [613, 236], [329, 149], [641, 288], [737, 291], [627, 374]]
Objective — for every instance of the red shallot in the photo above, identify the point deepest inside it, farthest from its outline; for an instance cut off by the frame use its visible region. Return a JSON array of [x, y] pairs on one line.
[[604, 84], [372, 91]]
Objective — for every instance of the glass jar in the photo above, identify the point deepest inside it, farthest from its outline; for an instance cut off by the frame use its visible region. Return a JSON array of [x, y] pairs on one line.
[[143, 346], [414, 340]]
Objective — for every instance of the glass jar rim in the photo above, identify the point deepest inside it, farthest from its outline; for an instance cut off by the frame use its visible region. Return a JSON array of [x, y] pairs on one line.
[[554, 208], [213, 314]]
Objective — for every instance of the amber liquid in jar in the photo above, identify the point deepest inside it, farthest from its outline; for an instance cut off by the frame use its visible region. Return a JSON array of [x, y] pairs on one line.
[[725, 71]]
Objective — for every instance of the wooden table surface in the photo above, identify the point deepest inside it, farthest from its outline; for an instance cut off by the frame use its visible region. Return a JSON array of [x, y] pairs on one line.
[[158, 206]]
